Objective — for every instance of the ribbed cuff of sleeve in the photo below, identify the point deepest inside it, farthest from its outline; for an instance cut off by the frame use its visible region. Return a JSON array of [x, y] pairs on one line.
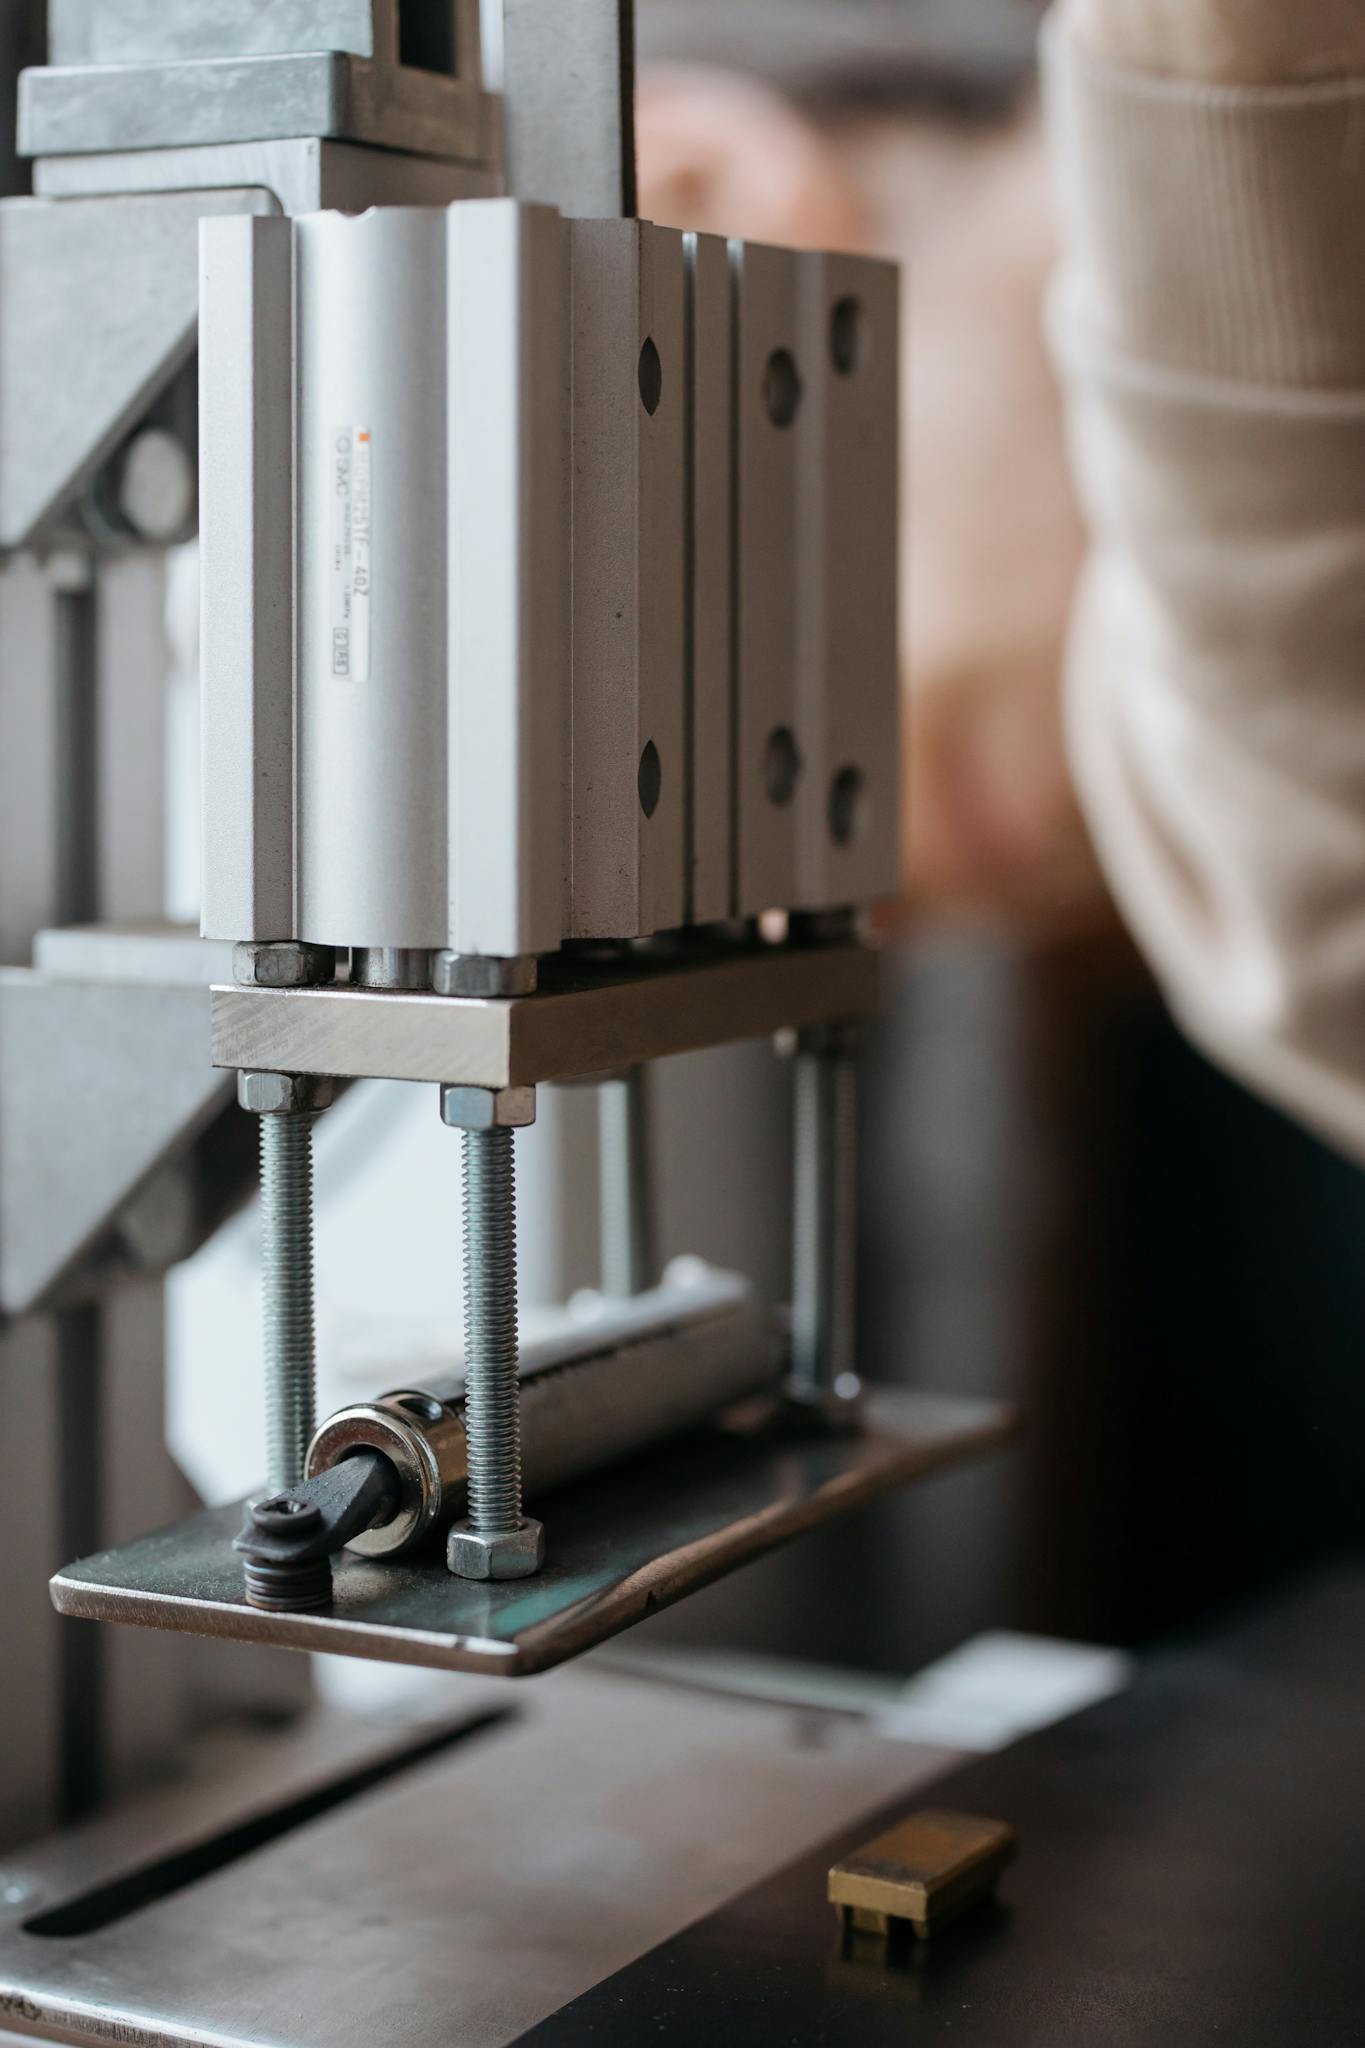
[[1214, 229]]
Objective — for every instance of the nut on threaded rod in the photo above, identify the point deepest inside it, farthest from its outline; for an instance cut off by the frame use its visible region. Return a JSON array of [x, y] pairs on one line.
[[287, 1106], [497, 1541]]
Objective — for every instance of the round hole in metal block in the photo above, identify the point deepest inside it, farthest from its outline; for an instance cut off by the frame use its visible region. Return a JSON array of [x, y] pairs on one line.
[[848, 336], [651, 780], [782, 388], [422, 1407], [782, 765], [651, 377], [848, 807]]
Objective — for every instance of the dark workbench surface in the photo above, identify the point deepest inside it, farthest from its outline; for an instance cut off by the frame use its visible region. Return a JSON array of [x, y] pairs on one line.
[[1192, 1871]]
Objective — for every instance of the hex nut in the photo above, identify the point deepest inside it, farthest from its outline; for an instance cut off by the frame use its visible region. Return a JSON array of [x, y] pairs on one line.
[[285, 1094], [488, 1109], [480, 975], [519, 1555], [284, 964]]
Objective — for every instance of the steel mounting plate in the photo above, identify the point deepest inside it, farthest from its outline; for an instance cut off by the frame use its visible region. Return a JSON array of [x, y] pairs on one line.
[[588, 1017], [620, 1546]]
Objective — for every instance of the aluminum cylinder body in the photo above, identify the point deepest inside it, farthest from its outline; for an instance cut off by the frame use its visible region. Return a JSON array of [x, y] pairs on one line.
[[372, 490]]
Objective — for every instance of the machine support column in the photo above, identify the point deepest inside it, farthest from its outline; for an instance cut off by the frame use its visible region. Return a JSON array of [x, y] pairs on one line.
[[824, 1282]]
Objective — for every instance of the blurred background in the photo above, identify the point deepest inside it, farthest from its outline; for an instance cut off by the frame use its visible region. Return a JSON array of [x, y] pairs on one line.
[[1061, 1201], [1062, 1204]]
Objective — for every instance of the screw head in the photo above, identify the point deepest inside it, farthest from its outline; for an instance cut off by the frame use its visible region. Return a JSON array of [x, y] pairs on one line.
[[488, 1109], [285, 1514], [517, 1555]]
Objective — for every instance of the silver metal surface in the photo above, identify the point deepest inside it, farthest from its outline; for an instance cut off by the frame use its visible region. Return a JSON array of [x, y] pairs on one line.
[[622, 1810], [390, 967], [287, 1295], [629, 580], [282, 963], [482, 1554], [127, 711], [149, 951], [284, 1095], [630, 1251], [145, 31], [423, 807], [100, 1085], [304, 174], [74, 110], [508, 562], [622, 1377], [30, 753], [768, 482], [586, 1019], [246, 441], [488, 1109], [825, 1223], [569, 82], [479, 974], [124, 270], [624, 1544], [370, 502], [847, 686]]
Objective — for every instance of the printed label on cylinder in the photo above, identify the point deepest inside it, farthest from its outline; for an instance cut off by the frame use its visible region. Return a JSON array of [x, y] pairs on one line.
[[352, 454]]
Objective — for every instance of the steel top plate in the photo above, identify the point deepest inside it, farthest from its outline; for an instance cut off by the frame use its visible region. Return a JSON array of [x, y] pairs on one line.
[[587, 1018], [620, 1547]]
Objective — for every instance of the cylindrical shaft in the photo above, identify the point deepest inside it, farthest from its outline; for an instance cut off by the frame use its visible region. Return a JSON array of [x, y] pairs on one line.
[[492, 1392], [287, 1268], [825, 1235], [630, 1262], [390, 967]]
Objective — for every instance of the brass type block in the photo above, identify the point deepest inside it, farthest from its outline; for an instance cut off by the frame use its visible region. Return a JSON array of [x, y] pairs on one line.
[[924, 1872]]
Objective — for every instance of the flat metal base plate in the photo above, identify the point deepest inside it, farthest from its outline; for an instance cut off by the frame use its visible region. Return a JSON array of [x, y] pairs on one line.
[[620, 1546], [279, 1896]]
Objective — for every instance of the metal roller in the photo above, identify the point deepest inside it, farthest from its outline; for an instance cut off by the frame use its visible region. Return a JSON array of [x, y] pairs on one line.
[[637, 1372]]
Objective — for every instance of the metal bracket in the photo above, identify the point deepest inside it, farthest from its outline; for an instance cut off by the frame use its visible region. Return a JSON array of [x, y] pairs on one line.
[[588, 1017]]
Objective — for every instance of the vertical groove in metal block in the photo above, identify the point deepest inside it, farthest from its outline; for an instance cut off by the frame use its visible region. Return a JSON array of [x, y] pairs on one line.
[[848, 682], [628, 580], [509, 578], [247, 557], [710, 579], [772, 423]]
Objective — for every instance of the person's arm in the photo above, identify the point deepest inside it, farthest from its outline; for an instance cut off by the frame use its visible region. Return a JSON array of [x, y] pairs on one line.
[[1210, 320], [1227, 42]]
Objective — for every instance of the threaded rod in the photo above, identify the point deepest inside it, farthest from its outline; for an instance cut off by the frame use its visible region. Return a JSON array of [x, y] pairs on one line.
[[287, 1292], [492, 1389]]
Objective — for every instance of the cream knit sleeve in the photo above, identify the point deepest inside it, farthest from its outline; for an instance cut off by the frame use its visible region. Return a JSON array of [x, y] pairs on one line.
[[1210, 324]]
